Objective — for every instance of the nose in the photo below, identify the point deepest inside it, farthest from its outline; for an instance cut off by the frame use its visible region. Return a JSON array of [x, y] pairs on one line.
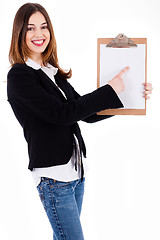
[[38, 32]]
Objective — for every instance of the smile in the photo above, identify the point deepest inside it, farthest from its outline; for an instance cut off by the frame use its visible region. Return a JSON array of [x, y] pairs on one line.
[[39, 43]]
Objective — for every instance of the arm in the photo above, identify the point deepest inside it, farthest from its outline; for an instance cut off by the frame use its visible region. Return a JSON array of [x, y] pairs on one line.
[[24, 90], [94, 117]]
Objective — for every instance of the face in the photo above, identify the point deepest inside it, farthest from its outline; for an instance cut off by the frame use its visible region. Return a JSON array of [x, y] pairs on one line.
[[38, 35]]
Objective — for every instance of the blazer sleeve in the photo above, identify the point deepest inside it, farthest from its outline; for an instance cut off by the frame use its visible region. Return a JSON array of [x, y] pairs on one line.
[[24, 90], [94, 117]]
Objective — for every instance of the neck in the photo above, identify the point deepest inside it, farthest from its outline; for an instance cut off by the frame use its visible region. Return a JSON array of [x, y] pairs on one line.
[[37, 59]]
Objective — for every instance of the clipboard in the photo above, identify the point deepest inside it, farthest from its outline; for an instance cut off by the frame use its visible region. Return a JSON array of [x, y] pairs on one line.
[[114, 54]]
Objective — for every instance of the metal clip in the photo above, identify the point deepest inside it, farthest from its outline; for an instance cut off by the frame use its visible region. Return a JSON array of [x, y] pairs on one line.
[[121, 41]]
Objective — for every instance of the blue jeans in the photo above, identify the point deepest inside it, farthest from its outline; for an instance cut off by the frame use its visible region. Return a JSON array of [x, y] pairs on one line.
[[62, 202]]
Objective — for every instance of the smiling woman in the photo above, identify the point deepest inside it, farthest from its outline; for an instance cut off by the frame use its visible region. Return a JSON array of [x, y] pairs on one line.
[[48, 109], [31, 25]]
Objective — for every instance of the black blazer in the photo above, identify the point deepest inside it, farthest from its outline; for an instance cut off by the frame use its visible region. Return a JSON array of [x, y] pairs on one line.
[[45, 115]]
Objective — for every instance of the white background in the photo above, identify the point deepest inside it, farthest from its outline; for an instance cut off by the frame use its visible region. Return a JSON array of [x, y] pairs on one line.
[[122, 194]]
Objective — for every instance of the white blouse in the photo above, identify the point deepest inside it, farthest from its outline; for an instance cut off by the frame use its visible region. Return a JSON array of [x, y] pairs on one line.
[[65, 172]]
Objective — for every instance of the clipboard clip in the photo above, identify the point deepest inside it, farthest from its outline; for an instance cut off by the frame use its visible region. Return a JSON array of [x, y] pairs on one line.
[[121, 41]]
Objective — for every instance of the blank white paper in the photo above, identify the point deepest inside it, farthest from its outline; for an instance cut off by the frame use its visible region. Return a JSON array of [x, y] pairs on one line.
[[113, 60]]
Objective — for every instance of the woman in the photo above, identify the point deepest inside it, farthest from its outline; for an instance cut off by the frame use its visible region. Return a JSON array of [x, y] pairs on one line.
[[48, 108]]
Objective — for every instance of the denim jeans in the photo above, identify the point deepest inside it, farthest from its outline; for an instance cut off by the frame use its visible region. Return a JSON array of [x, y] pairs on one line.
[[62, 202]]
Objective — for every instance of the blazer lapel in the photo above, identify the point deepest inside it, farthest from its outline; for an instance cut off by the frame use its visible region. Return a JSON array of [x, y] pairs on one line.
[[65, 87], [48, 84]]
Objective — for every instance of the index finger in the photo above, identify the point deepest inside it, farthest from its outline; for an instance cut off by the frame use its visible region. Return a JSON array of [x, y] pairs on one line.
[[120, 74]]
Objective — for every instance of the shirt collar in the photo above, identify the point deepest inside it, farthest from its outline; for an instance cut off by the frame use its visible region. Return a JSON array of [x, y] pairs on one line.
[[36, 66]]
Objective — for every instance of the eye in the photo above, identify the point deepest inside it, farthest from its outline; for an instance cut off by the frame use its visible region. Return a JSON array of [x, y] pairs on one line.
[[30, 29], [44, 27]]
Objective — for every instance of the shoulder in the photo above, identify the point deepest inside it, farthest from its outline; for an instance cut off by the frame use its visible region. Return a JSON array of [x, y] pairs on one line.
[[21, 75], [19, 68]]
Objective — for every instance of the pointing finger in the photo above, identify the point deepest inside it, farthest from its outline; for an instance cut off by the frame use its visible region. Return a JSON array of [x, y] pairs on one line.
[[120, 74]]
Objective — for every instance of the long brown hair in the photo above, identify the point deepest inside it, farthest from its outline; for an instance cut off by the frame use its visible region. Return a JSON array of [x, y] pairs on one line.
[[19, 51]]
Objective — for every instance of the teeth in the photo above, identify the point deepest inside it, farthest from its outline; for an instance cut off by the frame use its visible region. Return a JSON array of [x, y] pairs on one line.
[[38, 42]]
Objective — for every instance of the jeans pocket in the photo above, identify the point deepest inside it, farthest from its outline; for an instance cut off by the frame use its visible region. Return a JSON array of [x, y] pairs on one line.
[[41, 195], [59, 184]]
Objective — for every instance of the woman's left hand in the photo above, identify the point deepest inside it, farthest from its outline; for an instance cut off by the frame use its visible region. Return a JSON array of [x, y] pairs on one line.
[[147, 90]]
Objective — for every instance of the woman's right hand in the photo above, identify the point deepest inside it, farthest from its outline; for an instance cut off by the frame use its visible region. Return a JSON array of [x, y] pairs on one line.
[[117, 82]]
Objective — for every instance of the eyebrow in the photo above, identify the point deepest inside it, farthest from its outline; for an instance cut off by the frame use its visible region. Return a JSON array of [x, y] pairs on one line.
[[34, 24]]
